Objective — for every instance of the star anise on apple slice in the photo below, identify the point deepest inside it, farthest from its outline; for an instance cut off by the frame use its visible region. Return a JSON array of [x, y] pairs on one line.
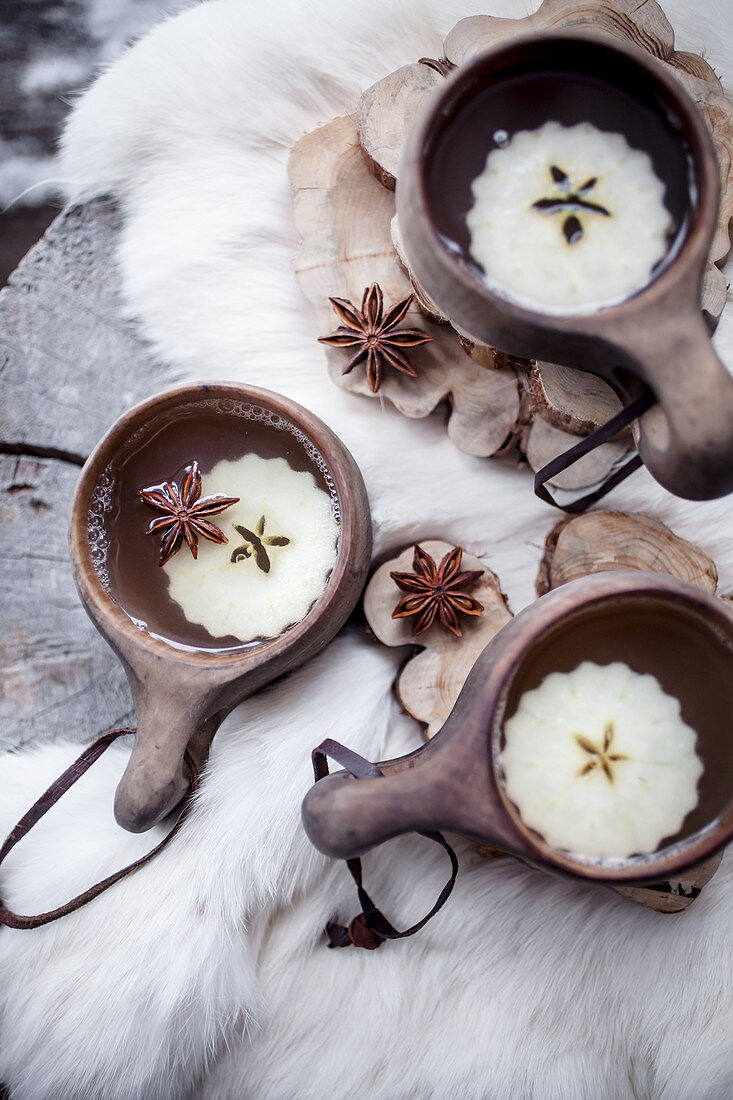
[[375, 335], [184, 511], [436, 590]]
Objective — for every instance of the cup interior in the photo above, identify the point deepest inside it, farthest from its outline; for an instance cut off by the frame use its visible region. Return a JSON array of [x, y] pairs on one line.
[[156, 443], [691, 655], [565, 79]]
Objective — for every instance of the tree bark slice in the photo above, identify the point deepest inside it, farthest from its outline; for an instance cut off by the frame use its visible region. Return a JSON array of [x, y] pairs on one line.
[[702, 84], [643, 24], [570, 400], [344, 218], [678, 894], [385, 113], [598, 541], [542, 443]]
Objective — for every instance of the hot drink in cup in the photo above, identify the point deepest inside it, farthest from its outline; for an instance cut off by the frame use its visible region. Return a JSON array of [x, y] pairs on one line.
[[557, 199]]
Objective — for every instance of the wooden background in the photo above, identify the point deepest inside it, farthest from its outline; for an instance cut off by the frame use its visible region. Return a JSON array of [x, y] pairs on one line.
[[68, 368]]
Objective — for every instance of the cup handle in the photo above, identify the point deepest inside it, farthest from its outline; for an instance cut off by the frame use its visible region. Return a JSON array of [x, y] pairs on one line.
[[686, 439], [344, 816], [155, 780]]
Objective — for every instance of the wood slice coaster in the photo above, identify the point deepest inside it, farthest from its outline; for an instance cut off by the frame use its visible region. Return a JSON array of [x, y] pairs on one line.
[[343, 216], [430, 682], [344, 175], [615, 540], [431, 679]]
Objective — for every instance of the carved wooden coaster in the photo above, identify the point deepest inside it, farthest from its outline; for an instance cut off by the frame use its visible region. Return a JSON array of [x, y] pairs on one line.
[[343, 215], [343, 176], [431, 680]]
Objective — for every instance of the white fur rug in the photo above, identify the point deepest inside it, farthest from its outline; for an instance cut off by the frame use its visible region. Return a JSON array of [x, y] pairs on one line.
[[205, 975]]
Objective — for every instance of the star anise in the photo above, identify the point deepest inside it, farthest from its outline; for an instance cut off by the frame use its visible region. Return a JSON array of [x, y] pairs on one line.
[[374, 335], [436, 590], [184, 510]]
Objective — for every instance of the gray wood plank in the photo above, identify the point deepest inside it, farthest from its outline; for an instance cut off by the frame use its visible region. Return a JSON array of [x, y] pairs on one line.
[[68, 367], [57, 676]]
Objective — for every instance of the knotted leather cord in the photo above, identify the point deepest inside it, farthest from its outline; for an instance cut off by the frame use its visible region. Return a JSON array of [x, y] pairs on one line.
[[58, 788], [601, 435], [371, 928]]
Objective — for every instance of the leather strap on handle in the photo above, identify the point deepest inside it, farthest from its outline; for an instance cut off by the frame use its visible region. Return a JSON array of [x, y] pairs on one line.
[[601, 435], [58, 788], [371, 928]]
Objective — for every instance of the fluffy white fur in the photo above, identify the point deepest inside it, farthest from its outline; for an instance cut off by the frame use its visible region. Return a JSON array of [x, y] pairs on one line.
[[205, 975]]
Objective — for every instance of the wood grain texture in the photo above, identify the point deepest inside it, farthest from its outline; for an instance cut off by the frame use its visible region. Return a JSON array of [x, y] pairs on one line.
[[677, 894], [57, 677], [344, 218], [643, 24], [69, 363], [68, 366], [386, 111], [542, 442], [599, 541], [430, 682], [569, 400]]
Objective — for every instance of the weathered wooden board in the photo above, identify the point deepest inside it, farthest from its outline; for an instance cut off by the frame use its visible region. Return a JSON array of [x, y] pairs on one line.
[[56, 674], [69, 365]]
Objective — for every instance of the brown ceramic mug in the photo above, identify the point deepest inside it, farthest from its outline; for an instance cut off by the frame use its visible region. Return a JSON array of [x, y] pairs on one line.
[[184, 686], [655, 624], [657, 337]]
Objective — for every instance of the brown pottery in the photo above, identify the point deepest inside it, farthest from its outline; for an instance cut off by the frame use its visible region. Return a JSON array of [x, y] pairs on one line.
[[182, 693], [654, 623], [655, 338]]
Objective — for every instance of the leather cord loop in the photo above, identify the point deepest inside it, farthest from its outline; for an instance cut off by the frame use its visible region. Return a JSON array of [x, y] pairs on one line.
[[370, 928], [600, 436], [41, 807]]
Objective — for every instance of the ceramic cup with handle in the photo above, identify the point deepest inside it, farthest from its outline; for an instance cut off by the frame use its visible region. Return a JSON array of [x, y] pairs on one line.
[[653, 623], [655, 338], [183, 686]]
